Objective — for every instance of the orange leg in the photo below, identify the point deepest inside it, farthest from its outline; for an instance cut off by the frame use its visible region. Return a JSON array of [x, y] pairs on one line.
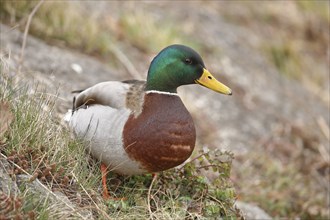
[[104, 172]]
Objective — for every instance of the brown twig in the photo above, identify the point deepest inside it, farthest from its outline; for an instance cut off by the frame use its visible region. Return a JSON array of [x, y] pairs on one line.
[[207, 166], [219, 202], [149, 195], [195, 158], [97, 207], [26, 30], [324, 127], [125, 61]]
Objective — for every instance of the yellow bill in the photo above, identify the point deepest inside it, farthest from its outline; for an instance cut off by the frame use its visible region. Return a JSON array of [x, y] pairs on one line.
[[210, 82]]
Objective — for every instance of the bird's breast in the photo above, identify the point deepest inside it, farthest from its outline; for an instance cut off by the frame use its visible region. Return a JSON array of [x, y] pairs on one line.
[[162, 136]]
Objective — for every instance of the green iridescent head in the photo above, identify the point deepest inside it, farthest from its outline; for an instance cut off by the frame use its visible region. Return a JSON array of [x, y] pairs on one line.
[[178, 65]]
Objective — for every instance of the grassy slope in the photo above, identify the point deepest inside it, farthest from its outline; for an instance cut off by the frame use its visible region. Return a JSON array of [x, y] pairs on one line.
[[64, 26]]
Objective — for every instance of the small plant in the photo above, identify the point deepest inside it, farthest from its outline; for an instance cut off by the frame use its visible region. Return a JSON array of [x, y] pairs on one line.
[[184, 192]]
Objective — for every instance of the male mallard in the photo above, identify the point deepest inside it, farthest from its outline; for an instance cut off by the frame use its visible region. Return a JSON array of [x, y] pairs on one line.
[[136, 127]]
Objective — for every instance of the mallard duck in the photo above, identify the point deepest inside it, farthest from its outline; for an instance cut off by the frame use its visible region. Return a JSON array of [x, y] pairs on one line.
[[136, 127]]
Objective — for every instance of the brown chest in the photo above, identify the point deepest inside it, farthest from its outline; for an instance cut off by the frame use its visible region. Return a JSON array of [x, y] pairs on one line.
[[162, 136]]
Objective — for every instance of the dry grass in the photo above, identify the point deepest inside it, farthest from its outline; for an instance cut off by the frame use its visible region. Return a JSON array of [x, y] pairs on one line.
[[70, 24], [59, 22], [294, 35], [293, 174], [37, 146]]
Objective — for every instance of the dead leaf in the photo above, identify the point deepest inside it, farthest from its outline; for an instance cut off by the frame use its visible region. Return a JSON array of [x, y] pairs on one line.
[[6, 117]]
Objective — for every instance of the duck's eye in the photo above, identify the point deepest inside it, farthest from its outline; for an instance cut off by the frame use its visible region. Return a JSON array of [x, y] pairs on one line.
[[188, 61]]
